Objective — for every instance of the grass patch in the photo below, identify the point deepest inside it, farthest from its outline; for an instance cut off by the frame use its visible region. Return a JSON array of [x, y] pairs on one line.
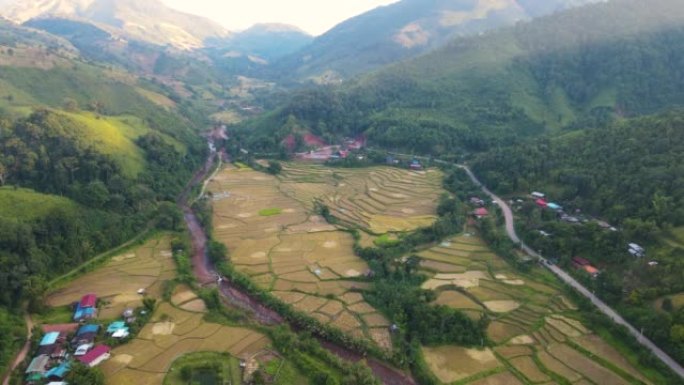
[[55, 315], [204, 368], [26, 204], [386, 240], [270, 212]]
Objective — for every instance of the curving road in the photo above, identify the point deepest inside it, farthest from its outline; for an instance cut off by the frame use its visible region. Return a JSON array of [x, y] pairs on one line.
[[565, 277]]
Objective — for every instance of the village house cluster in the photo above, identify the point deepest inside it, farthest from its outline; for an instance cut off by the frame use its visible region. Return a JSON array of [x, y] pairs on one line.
[[579, 262], [63, 344]]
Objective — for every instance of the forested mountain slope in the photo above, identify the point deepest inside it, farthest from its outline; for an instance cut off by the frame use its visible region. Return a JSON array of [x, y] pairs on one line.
[[629, 173], [406, 29], [620, 58], [90, 156]]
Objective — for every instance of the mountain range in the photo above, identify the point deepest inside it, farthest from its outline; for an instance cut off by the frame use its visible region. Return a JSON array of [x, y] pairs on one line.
[[577, 68], [148, 20], [407, 29]]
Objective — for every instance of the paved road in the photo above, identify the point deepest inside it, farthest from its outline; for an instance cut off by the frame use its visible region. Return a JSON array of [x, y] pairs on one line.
[[565, 277], [21, 356]]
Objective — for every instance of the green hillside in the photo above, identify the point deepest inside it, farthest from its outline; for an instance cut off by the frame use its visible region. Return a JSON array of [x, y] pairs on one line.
[[577, 68], [116, 137], [26, 204]]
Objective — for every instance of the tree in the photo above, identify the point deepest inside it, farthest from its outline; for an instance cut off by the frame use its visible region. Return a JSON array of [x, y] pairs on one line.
[[217, 251], [169, 216], [274, 168], [70, 105], [83, 375]]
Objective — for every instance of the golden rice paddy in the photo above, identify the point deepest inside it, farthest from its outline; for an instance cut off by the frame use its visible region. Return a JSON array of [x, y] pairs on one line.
[[296, 254], [532, 325], [118, 281]]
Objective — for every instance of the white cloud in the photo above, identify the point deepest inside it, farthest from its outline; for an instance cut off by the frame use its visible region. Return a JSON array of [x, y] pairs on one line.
[[313, 16]]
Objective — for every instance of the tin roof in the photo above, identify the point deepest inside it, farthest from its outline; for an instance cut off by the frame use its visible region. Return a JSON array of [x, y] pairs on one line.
[[49, 339]]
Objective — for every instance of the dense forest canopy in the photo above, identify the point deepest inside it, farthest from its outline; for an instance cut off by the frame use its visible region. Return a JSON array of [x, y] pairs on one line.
[[628, 169], [44, 153], [577, 68]]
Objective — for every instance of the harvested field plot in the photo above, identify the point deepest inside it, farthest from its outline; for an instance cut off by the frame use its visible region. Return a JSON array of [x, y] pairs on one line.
[[531, 321], [147, 359], [450, 363], [274, 237], [118, 281], [381, 199]]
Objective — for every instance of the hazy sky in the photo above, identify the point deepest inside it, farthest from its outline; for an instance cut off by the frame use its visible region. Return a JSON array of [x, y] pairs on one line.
[[313, 16]]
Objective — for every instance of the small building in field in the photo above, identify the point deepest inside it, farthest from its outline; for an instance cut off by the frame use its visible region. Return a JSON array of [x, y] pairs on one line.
[[636, 250], [541, 203], [592, 271], [538, 195], [415, 165], [96, 356]]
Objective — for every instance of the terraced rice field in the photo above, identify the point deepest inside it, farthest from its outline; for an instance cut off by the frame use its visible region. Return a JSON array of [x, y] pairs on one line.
[[172, 333], [380, 199], [296, 254], [176, 328], [118, 281], [534, 328]]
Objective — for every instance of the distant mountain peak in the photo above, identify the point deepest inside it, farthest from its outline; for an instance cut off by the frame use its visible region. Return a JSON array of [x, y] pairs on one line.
[[275, 28], [148, 20]]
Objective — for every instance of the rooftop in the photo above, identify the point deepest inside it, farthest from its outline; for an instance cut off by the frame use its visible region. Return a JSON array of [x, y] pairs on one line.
[[114, 326], [88, 329], [49, 339], [38, 364], [88, 300], [94, 354], [58, 371]]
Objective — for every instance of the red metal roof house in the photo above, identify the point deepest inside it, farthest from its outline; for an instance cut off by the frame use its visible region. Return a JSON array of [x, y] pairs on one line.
[[541, 203], [88, 300], [95, 356], [481, 212]]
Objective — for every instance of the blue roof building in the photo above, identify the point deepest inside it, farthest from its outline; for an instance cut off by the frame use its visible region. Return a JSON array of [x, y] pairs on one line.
[[49, 339], [554, 206], [88, 329], [84, 313], [58, 372], [114, 326]]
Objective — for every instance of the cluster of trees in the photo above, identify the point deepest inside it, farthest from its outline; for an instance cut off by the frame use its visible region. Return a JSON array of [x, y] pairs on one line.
[[626, 170], [43, 152], [12, 333]]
